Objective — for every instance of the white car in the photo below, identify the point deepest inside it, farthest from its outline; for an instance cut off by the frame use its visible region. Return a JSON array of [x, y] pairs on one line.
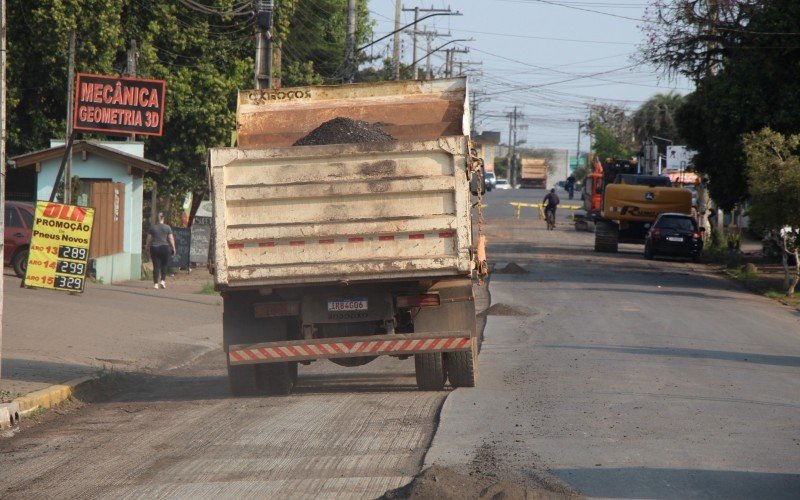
[[502, 184], [490, 180]]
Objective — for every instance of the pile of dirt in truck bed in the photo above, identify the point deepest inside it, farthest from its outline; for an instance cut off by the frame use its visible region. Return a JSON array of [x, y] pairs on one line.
[[443, 483], [344, 131]]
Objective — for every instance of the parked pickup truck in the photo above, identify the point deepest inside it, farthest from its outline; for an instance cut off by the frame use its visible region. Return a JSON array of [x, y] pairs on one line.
[[347, 251]]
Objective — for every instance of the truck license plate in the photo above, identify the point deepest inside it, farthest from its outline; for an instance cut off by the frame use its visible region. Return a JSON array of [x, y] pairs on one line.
[[353, 304], [674, 238]]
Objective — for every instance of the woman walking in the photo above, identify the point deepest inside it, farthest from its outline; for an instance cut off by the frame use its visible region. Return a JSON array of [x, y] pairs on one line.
[[161, 244]]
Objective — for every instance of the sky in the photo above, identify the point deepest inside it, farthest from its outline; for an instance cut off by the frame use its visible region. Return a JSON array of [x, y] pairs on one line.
[[550, 58]]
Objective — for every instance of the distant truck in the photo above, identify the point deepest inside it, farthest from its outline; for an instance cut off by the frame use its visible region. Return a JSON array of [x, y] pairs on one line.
[[533, 173], [347, 251]]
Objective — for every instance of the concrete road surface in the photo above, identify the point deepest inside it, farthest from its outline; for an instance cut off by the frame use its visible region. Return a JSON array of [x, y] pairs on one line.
[[626, 378], [620, 377]]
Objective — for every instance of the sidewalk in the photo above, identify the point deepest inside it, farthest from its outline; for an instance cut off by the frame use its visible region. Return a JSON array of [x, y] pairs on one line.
[[51, 337]]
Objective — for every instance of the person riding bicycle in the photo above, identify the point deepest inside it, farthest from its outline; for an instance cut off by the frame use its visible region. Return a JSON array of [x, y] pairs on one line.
[[550, 203]]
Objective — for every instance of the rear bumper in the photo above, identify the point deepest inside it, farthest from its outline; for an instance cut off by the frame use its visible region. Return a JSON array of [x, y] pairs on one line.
[[666, 248], [348, 347]]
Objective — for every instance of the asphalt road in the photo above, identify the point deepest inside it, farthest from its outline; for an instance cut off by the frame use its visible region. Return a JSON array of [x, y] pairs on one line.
[[617, 376], [626, 378]]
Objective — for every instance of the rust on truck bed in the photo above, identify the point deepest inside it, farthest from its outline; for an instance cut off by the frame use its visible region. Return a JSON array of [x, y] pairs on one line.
[[408, 111]]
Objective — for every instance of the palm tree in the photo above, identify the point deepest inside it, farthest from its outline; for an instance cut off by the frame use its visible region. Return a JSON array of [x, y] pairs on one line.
[[656, 117]]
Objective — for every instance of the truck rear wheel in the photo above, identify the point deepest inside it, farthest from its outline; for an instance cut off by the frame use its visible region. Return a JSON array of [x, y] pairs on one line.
[[457, 313], [235, 329], [606, 237], [430, 371], [461, 366], [276, 379], [240, 326]]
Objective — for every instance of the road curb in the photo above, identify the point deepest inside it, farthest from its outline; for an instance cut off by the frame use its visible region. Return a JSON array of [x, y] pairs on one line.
[[50, 396]]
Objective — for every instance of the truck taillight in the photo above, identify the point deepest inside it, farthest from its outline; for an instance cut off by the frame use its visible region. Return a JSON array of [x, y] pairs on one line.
[[425, 300], [275, 309], [696, 235]]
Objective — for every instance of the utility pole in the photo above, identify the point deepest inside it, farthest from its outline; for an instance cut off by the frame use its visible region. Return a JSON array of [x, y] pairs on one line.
[[415, 32], [473, 102], [429, 36], [578, 150], [512, 146], [350, 43], [70, 98], [2, 154], [398, 11], [263, 69], [461, 65], [449, 60]]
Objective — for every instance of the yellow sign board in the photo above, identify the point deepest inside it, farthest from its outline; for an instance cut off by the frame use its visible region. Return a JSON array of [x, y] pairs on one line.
[[59, 251]]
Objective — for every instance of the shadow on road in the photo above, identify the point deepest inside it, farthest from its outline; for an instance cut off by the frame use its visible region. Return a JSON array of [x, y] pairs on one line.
[[744, 357], [646, 482]]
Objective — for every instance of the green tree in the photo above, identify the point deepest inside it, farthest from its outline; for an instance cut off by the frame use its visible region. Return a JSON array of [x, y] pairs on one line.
[[773, 171], [757, 86], [204, 56], [612, 131], [606, 144], [656, 117]]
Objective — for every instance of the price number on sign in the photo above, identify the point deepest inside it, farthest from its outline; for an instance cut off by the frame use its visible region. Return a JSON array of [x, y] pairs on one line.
[[76, 253], [66, 267], [68, 283]]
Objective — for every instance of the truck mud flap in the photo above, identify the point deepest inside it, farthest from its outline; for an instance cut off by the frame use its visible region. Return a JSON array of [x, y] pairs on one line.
[[348, 347]]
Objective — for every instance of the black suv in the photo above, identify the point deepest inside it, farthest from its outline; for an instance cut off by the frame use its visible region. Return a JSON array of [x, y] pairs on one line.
[[674, 234]]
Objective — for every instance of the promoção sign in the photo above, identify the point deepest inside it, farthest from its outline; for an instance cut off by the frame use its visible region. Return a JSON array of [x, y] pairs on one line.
[[118, 105], [59, 251]]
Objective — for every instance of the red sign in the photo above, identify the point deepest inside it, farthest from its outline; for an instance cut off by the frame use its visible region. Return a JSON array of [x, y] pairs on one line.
[[115, 105]]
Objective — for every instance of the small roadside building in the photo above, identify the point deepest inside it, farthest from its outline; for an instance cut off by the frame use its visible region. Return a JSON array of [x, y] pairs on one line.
[[108, 176], [486, 143]]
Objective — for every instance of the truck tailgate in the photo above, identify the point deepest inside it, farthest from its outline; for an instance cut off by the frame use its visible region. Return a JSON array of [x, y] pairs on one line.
[[348, 212]]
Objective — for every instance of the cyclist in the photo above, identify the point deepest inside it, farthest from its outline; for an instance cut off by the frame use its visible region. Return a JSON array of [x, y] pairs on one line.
[[550, 203]]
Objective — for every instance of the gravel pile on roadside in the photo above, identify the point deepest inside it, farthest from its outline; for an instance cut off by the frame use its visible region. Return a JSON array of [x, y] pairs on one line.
[[501, 309], [443, 483], [344, 131], [512, 268]]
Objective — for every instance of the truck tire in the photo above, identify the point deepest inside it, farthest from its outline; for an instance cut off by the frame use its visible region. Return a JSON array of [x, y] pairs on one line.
[[236, 329], [430, 372], [240, 326], [276, 379], [606, 237], [241, 379], [461, 366], [457, 313]]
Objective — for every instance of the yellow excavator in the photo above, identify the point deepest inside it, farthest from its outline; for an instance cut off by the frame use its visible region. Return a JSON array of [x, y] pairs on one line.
[[623, 203]]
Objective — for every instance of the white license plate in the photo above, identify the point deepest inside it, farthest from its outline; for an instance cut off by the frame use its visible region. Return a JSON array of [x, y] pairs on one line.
[[674, 238], [354, 304]]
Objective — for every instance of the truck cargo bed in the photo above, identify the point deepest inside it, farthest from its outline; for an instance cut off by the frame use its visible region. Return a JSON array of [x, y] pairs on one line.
[[349, 212]]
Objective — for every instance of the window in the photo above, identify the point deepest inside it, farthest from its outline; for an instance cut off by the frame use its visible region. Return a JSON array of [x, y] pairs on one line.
[[679, 223], [12, 217]]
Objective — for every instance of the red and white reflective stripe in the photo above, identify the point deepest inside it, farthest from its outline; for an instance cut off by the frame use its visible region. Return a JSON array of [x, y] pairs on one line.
[[350, 239], [323, 349]]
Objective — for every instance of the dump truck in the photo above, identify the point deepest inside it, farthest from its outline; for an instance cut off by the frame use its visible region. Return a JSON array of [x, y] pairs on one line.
[[533, 173], [623, 203], [347, 251]]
